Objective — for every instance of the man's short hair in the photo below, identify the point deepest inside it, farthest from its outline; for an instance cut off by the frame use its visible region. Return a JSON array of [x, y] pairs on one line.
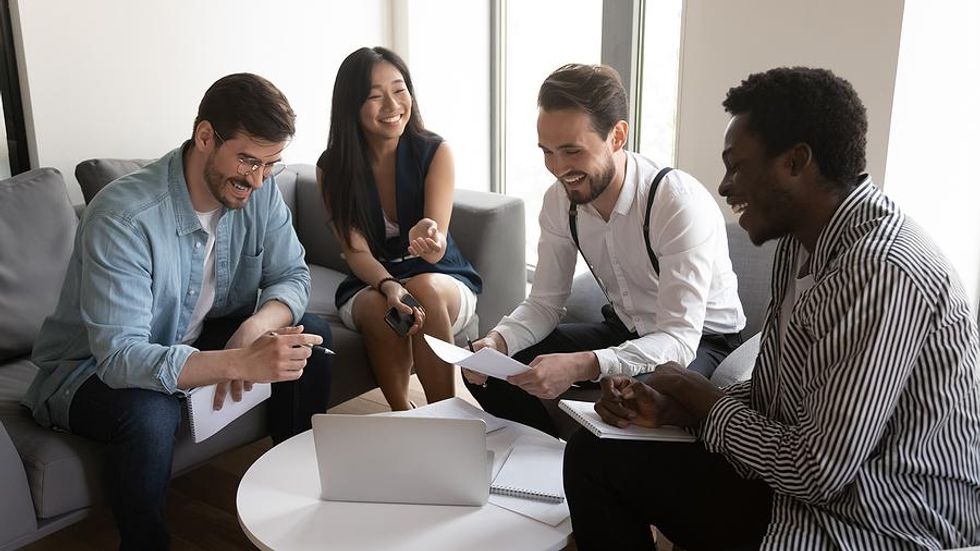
[[787, 106], [596, 90], [247, 103]]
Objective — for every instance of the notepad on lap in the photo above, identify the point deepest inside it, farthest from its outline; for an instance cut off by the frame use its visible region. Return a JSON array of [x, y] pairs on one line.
[[584, 413], [206, 421]]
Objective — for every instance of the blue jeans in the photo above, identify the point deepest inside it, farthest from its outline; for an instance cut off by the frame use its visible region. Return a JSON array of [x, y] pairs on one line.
[[139, 428]]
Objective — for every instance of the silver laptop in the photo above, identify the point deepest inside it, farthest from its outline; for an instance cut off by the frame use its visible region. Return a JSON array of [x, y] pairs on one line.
[[392, 459]]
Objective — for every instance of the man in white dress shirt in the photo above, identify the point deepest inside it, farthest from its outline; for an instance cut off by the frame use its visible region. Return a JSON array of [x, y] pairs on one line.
[[671, 290]]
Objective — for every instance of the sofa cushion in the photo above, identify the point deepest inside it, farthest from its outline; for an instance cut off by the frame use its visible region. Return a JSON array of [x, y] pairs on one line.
[[752, 265], [324, 287], [63, 469], [95, 174], [738, 366], [37, 228], [313, 222]]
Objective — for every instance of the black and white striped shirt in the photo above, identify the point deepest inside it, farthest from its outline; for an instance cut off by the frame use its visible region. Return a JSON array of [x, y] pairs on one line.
[[865, 417]]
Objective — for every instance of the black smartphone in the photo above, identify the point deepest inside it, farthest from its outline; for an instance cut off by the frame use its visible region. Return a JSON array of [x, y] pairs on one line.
[[401, 323]]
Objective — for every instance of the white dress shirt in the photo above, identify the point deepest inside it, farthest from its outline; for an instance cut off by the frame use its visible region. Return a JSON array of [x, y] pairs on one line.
[[696, 292]]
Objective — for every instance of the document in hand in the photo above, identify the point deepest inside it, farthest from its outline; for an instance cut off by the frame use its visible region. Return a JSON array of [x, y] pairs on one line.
[[206, 421], [584, 413], [486, 360]]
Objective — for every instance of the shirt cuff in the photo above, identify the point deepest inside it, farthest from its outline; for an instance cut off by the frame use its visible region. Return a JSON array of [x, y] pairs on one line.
[[608, 363], [510, 339], [173, 366], [715, 426], [295, 304]]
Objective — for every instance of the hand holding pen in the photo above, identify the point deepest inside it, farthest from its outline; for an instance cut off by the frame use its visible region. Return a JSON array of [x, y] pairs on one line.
[[313, 347], [474, 377]]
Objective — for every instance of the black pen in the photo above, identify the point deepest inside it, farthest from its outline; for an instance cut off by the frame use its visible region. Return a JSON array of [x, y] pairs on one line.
[[318, 348], [314, 347], [470, 344]]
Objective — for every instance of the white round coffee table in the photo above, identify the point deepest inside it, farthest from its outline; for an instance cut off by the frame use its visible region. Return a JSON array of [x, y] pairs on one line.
[[279, 507]]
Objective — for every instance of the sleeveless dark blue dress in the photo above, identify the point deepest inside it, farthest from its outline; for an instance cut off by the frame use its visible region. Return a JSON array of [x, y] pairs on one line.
[[412, 160]]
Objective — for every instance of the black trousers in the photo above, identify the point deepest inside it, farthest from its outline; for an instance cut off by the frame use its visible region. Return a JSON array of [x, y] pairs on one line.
[[511, 402], [617, 488]]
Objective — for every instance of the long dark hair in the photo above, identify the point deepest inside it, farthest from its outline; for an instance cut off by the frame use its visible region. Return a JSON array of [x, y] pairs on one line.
[[346, 169]]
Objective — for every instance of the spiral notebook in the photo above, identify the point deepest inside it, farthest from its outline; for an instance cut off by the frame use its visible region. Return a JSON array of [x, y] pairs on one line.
[[584, 413], [532, 472], [206, 421]]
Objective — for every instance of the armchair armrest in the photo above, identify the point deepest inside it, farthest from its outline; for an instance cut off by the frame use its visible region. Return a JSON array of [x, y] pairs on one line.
[[16, 506], [489, 229]]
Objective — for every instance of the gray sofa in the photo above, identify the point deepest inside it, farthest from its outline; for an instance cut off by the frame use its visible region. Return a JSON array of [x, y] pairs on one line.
[[51, 478]]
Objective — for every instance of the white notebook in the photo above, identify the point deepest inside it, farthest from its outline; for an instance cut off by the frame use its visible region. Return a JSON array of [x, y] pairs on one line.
[[584, 413], [532, 472], [206, 421]]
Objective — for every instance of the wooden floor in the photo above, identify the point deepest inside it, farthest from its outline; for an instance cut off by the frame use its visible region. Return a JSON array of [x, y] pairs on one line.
[[201, 504]]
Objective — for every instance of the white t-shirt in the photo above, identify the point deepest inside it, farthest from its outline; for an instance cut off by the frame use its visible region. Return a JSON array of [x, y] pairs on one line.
[[205, 299]]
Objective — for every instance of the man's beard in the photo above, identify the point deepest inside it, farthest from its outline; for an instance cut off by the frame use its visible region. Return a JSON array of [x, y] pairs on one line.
[[597, 185], [216, 181]]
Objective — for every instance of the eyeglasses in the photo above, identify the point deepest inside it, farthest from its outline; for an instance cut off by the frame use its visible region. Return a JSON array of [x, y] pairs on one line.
[[248, 165]]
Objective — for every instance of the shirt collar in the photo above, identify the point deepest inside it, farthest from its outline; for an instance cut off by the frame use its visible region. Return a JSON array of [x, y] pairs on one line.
[[849, 214], [628, 193], [187, 220]]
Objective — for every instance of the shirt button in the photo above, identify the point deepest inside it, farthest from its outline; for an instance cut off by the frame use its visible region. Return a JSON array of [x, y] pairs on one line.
[[191, 292], [197, 245]]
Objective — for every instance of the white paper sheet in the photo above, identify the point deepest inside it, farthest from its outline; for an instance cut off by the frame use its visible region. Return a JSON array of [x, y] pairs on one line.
[[453, 408], [486, 360]]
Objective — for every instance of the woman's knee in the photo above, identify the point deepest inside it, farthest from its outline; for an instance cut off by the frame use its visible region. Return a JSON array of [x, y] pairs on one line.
[[431, 291]]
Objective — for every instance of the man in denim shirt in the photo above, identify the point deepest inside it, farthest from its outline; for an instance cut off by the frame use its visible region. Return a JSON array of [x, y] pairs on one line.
[[185, 273]]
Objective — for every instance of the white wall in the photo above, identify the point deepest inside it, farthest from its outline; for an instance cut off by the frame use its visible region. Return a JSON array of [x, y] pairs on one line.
[[935, 131], [450, 65], [725, 41], [123, 78]]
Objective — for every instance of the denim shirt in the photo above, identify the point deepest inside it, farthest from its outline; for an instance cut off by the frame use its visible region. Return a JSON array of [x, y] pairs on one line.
[[135, 275]]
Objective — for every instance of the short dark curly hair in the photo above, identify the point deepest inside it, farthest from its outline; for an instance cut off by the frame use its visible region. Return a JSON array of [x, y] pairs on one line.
[[791, 105]]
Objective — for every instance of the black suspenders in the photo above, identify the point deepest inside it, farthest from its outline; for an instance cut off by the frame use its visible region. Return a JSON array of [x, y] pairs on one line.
[[572, 225]]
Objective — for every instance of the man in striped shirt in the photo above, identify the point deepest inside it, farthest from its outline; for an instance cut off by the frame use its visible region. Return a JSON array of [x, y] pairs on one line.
[[860, 428]]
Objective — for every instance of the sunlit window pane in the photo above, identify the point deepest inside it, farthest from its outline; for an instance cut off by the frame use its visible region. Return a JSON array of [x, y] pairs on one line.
[[541, 36], [661, 58]]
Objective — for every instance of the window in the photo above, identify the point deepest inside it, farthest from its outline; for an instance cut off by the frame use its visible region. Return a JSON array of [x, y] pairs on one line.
[[450, 64], [658, 90], [540, 37]]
